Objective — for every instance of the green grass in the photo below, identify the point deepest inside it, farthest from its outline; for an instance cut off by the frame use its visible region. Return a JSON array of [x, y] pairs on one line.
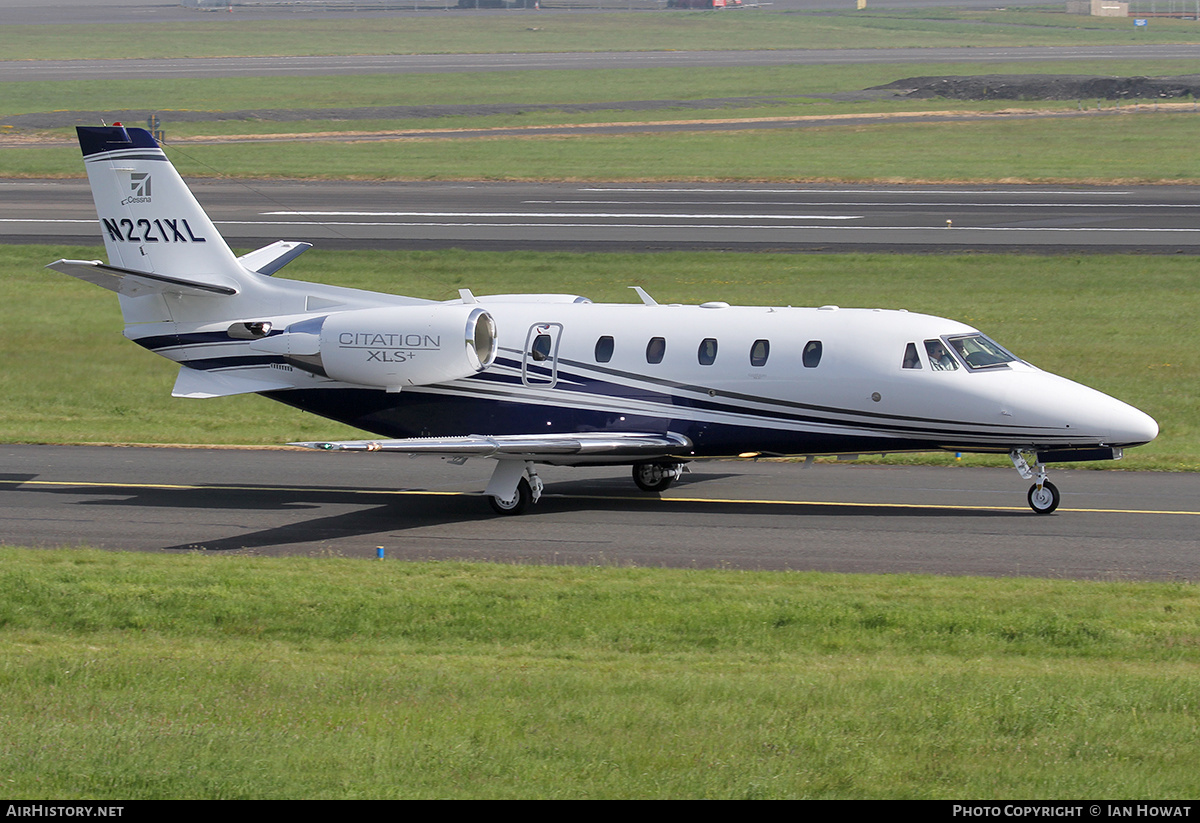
[[129, 676], [784, 90], [560, 86], [230, 36], [1143, 147], [1122, 324]]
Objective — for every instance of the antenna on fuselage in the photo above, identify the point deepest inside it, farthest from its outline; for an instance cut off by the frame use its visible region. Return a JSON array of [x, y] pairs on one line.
[[647, 299]]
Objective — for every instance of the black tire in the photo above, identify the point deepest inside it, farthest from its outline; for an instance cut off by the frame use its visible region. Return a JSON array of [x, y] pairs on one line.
[[651, 477], [519, 504], [1044, 501]]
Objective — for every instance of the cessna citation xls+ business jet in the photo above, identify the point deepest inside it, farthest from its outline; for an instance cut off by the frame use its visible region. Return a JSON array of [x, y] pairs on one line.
[[556, 379]]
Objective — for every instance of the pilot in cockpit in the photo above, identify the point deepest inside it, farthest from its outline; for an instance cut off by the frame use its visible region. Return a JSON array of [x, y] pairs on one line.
[[939, 360]]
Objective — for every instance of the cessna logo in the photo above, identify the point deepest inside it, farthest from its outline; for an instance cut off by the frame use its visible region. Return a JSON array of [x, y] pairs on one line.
[[139, 184]]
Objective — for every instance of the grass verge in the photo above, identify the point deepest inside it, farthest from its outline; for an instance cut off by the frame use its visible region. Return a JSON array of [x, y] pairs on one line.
[[1144, 147], [139, 676], [275, 95]]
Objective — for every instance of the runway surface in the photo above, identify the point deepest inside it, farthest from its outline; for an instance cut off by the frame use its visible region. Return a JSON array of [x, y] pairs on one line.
[[618, 217], [725, 514]]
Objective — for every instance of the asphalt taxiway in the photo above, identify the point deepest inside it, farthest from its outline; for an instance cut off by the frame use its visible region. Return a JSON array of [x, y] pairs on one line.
[[650, 217], [724, 514]]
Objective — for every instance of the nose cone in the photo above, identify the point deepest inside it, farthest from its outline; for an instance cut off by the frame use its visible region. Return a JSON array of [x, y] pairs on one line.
[[1085, 416], [1115, 423], [1132, 427]]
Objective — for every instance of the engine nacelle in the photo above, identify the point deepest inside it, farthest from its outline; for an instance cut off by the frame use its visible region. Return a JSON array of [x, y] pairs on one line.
[[388, 348], [402, 346]]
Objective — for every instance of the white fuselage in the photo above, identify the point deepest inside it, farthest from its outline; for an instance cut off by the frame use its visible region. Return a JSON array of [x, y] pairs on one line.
[[730, 379]]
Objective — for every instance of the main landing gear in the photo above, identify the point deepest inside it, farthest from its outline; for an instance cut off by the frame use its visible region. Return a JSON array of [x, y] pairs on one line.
[[656, 477], [1043, 495], [514, 485]]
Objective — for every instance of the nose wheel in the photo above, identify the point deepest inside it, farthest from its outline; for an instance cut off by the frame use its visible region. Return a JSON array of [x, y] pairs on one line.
[[1043, 495], [1043, 498]]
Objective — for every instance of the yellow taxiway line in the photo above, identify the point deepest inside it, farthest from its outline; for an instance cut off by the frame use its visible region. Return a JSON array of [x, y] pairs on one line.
[[642, 499]]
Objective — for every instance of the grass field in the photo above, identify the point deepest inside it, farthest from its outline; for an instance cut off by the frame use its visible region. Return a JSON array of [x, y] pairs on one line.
[[1143, 147], [785, 90], [138, 676], [1144, 143]]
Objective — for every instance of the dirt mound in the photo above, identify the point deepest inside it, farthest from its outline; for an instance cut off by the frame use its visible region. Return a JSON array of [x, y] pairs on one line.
[[1045, 87]]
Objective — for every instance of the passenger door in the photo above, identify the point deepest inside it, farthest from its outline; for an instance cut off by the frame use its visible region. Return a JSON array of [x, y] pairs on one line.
[[539, 365]]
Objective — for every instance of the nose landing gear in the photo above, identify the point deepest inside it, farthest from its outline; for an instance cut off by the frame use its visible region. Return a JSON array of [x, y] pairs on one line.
[[1043, 495], [1043, 499]]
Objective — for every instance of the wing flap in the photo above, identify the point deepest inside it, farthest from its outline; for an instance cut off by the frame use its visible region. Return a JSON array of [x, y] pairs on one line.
[[529, 446]]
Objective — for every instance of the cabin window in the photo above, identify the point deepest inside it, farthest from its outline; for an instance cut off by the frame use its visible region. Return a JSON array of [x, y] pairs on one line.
[[604, 349], [980, 352], [707, 355], [656, 349], [540, 350], [759, 353], [812, 354], [911, 359], [939, 358]]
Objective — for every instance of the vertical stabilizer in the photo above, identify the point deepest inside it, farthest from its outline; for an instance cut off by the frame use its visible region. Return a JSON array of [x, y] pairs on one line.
[[149, 219]]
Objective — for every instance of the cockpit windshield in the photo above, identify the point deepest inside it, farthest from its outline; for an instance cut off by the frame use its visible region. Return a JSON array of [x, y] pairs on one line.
[[979, 351]]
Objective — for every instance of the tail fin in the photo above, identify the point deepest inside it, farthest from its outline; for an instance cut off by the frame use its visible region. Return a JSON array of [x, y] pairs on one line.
[[182, 291], [149, 219]]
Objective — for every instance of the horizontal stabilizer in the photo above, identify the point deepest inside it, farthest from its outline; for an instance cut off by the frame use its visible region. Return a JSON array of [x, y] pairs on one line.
[[612, 444], [137, 283], [198, 385], [272, 258]]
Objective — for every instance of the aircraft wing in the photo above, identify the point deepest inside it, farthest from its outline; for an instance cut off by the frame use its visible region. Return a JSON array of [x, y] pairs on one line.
[[526, 446]]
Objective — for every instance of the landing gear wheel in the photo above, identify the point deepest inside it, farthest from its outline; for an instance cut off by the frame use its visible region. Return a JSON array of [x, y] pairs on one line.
[[518, 504], [1045, 499], [653, 477]]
